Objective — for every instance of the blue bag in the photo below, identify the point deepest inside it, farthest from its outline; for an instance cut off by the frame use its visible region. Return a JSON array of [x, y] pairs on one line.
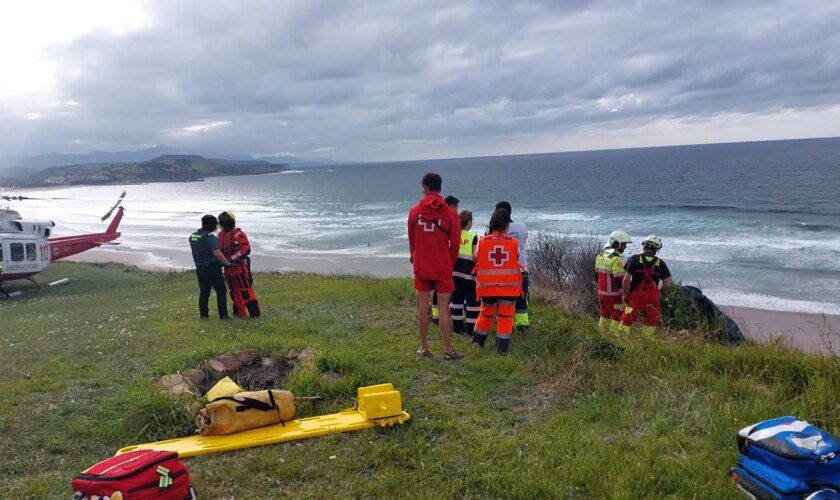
[[787, 458]]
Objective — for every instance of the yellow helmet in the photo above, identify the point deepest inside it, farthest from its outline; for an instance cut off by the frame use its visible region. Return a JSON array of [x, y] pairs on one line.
[[227, 217]]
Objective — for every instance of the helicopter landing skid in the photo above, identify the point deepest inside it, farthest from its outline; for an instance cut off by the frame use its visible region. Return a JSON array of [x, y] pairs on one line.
[[32, 279]]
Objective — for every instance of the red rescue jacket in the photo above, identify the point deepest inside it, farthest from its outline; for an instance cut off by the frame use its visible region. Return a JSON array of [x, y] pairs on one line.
[[434, 236], [234, 244]]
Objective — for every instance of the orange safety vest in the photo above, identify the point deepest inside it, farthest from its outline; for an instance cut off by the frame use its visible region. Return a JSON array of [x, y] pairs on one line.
[[497, 271]]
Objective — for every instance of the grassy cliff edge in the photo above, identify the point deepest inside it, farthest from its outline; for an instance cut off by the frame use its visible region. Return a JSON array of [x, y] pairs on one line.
[[570, 412]]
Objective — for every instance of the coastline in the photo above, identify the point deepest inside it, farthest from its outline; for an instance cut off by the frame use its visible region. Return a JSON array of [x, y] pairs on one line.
[[325, 263], [44, 187], [811, 332]]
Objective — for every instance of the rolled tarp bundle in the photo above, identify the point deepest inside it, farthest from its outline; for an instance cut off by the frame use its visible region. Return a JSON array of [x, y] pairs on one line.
[[246, 410]]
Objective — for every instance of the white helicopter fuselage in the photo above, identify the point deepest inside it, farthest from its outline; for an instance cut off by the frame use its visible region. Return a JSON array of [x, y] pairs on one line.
[[24, 245]]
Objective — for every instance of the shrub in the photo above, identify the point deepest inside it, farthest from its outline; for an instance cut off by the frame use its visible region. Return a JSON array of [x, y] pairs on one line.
[[680, 311], [565, 266]]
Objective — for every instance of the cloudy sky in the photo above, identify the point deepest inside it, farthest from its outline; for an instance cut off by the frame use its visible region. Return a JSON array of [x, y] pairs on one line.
[[384, 80]]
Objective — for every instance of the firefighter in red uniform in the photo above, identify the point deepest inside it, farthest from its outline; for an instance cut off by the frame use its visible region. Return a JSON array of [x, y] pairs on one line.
[[646, 275], [610, 270], [498, 282], [433, 239], [234, 244]]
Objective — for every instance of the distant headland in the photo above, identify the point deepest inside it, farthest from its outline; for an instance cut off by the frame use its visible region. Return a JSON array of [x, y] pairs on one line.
[[164, 168]]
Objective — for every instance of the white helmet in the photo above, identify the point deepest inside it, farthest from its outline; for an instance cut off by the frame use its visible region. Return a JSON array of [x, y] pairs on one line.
[[652, 241], [619, 237]]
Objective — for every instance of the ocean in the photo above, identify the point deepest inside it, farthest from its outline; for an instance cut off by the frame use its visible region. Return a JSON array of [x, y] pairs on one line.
[[753, 224]]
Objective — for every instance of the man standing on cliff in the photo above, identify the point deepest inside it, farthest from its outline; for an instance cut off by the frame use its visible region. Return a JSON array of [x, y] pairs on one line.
[[434, 237], [208, 267], [645, 277]]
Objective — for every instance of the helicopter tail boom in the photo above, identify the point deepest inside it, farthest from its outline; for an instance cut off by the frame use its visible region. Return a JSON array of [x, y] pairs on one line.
[[66, 246]]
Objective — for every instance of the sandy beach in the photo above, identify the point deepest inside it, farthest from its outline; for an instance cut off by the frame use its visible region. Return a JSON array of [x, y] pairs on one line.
[[326, 263], [811, 332]]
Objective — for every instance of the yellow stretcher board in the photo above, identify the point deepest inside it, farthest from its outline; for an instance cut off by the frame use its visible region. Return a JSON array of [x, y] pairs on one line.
[[378, 406]]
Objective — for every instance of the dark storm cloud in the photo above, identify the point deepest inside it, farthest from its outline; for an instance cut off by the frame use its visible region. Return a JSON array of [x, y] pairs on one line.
[[389, 79]]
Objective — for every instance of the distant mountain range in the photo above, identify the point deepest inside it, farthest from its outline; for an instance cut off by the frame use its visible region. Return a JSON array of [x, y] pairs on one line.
[[23, 168], [163, 168]]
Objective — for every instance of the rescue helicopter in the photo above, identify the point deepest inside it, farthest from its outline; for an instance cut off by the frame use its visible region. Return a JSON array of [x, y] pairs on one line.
[[27, 248]]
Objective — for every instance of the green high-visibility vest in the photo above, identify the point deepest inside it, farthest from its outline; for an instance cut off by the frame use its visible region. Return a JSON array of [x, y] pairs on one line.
[[466, 250]]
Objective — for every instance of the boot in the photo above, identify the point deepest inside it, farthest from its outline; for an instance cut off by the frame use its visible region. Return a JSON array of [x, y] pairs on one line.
[[604, 324], [479, 339], [502, 345]]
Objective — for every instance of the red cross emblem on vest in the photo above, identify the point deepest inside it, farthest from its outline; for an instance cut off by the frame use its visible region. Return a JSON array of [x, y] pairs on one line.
[[499, 256]]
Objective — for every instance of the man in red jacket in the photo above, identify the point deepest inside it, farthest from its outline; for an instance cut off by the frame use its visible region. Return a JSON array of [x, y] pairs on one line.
[[434, 236]]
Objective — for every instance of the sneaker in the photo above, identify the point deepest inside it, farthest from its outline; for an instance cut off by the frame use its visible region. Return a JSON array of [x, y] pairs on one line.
[[452, 356]]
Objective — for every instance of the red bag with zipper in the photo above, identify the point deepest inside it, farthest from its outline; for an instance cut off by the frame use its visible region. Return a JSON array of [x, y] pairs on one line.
[[136, 475]]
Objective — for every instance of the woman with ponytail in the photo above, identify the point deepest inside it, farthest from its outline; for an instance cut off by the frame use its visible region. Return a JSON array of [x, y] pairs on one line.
[[498, 282], [463, 304]]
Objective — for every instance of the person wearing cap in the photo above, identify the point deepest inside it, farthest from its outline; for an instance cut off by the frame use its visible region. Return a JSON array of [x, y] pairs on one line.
[[609, 267], [452, 202], [518, 230], [234, 244], [209, 261], [646, 276]]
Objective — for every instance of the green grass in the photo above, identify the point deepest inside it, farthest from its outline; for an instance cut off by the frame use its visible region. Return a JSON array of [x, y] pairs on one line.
[[566, 414]]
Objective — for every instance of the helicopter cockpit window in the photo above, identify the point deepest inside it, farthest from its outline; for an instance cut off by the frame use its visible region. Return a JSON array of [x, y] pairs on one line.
[[46, 232], [16, 252], [31, 254]]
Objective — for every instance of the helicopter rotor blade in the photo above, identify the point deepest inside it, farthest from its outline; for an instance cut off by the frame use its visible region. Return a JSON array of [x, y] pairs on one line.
[[17, 198], [28, 198], [117, 204]]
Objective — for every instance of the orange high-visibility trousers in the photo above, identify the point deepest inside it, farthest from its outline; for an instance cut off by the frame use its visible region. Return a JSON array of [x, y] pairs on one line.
[[500, 308], [241, 292]]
